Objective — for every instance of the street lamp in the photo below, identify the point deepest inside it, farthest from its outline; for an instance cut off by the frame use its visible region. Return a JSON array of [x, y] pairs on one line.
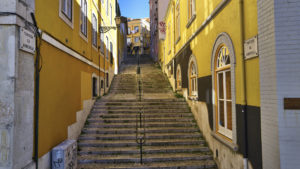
[[118, 19]]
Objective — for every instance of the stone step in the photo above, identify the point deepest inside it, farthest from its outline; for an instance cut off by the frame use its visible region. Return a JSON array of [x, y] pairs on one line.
[[146, 150], [145, 107], [132, 115], [133, 136], [133, 125], [133, 130], [147, 158], [187, 164], [143, 100], [115, 103], [132, 120], [148, 142], [137, 110]]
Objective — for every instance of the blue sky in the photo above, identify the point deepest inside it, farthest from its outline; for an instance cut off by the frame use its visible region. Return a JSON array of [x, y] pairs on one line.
[[134, 8]]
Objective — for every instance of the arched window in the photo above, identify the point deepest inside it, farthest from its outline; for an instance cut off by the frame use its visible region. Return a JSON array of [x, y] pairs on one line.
[[193, 88], [223, 91], [178, 78]]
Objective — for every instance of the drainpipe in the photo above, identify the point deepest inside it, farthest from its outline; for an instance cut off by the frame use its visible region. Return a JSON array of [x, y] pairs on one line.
[[244, 87], [37, 89]]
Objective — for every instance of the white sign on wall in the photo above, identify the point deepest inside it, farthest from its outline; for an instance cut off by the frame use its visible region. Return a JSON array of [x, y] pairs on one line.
[[27, 41], [251, 48]]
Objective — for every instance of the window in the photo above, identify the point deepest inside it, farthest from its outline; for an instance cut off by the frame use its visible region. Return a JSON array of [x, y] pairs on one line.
[[223, 89], [66, 8], [111, 15], [128, 40], [107, 8], [169, 36], [129, 31], [102, 42], [102, 84], [94, 30], [136, 39], [193, 79], [191, 9], [83, 17], [136, 29], [111, 53], [107, 51], [177, 20], [178, 78]]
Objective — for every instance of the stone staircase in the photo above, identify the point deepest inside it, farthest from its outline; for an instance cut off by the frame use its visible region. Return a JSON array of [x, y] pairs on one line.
[[172, 138]]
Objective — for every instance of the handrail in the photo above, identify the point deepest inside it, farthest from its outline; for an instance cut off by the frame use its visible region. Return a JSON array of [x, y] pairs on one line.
[[140, 117]]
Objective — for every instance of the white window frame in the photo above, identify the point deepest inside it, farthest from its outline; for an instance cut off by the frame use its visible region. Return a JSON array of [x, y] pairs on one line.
[[193, 81], [193, 10], [224, 39], [66, 17], [136, 39], [102, 42], [83, 27], [107, 49], [94, 30]]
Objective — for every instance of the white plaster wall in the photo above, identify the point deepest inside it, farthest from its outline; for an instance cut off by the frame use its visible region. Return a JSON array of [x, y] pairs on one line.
[[268, 85], [287, 36]]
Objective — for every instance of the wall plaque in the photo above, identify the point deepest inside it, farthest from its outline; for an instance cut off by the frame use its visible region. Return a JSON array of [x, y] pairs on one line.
[[251, 48], [27, 41]]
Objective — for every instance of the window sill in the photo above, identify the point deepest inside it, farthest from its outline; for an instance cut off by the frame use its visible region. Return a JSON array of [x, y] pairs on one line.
[[95, 47], [178, 39], [191, 21], [68, 21], [83, 37], [230, 145]]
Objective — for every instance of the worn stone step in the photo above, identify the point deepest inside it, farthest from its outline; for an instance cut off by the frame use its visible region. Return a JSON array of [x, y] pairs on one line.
[[133, 130], [133, 136], [147, 158], [138, 103], [144, 107], [132, 120], [105, 115], [137, 110], [143, 100], [146, 150], [133, 125], [187, 164]]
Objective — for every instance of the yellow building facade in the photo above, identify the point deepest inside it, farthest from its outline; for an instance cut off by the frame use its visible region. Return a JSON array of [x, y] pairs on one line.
[[78, 64], [206, 58], [139, 35]]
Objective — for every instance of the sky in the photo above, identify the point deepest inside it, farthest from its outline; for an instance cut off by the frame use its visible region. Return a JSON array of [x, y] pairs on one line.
[[134, 8]]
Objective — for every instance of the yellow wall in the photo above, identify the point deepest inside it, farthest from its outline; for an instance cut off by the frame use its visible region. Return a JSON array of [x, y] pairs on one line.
[[65, 83], [228, 20]]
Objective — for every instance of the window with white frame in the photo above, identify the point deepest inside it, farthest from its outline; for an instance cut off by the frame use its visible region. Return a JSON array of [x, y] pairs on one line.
[[66, 8], [129, 31], [136, 29], [83, 17], [111, 15], [102, 42], [94, 30], [107, 51], [107, 8], [136, 39], [191, 9], [177, 19], [128, 40], [193, 89], [223, 89]]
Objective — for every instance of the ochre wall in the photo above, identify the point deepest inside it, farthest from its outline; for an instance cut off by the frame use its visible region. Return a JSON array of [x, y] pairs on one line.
[[65, 82]]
